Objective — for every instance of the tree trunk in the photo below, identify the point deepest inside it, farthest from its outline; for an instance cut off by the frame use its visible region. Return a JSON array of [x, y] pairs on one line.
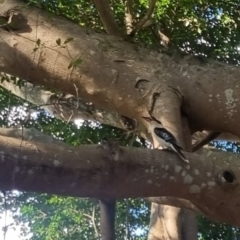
[[171, 223]]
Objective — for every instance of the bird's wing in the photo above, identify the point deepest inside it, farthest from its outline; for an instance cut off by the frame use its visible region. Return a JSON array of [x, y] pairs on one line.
[[166, 135]]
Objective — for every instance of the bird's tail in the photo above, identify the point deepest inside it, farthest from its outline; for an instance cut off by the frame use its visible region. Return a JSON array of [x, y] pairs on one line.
[[178, 150]]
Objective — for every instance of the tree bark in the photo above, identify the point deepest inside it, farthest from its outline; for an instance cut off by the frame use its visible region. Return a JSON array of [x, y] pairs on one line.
[[43, 166], [103, 70], [171, 223]]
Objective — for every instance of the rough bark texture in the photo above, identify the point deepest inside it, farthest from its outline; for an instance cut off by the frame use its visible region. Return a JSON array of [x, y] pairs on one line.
[[163, 225]]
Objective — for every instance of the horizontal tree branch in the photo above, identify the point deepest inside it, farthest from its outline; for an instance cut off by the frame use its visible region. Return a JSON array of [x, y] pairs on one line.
[[94, 171], [68, 107], [75, 65]]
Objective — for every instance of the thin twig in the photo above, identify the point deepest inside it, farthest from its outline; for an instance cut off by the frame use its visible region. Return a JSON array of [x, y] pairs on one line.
[[148, 15]]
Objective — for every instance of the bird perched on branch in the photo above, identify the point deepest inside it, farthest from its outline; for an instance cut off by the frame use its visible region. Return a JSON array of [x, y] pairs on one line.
[[164, 138]]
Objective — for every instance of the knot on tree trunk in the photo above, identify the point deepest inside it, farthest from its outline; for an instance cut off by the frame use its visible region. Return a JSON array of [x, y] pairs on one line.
[[14, 21]]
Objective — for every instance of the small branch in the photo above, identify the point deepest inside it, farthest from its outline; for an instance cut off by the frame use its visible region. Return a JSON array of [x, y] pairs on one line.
[[68, 107], [207, 139], [164, 40], [129, 16], [148, 15], [94, 223], [166, 107], [198, 136], [107, 18], [74, 171]]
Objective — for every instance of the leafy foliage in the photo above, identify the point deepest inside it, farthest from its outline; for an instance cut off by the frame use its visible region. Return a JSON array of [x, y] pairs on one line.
[[216, 231]]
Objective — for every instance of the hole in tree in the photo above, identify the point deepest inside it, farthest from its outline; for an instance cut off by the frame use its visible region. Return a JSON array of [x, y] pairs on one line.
[[228, 176]]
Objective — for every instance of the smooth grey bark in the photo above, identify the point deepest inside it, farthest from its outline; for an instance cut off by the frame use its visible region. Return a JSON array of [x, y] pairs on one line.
[[108, 61], [209, 182]]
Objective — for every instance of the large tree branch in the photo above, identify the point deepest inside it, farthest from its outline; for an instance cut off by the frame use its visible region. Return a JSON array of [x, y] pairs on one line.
[[209, 183], [79, 68], [68, 107], [107, 18]]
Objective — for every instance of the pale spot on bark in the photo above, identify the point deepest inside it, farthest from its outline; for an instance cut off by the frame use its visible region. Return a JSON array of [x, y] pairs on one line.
[[194, 189], [166, 167], [183, 173], [230, 103], [188, 179], [30, 172], [17, 169], [177, 169], [196, 171], [92, 52], [164, 176], [15, 155], [172, 178], [56, 163], [25, 157], [203, 185], [30, 138], [149, 181], [211, 183], [209, 174], [188, 167], [2, 156]]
